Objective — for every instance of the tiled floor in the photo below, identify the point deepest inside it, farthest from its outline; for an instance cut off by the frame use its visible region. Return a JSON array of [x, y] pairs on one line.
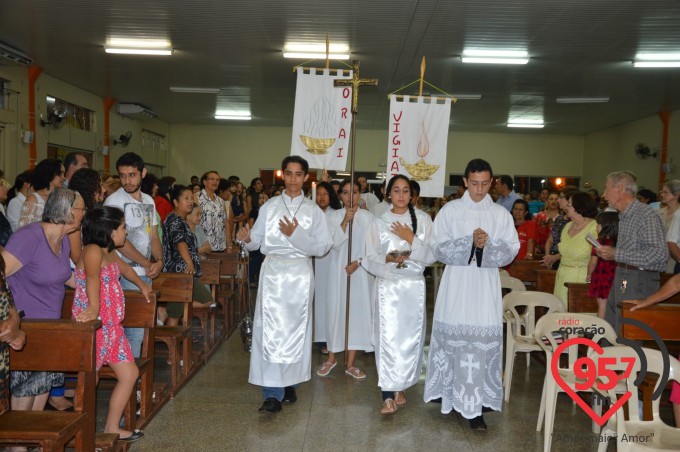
[[217, 410]]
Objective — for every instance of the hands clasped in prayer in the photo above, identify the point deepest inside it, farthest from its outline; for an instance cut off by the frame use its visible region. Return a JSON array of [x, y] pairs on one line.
[[479, 237]]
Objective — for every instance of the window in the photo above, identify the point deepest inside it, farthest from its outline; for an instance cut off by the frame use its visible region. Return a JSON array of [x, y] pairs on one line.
[[77, 117], [525, 184]]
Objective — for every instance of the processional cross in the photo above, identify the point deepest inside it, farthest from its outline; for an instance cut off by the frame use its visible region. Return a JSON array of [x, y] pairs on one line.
[[355, 82]]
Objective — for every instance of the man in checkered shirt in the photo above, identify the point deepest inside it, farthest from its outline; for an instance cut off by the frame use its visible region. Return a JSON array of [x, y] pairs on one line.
[[640, 252]]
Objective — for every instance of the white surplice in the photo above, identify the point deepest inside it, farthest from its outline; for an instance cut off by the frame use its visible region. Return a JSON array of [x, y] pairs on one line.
[[321, 264], [282, 327], [466, 347], [360, 307], [400, 315]]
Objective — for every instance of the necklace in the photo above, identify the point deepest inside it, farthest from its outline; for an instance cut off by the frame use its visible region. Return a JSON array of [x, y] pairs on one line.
[[289, 212]]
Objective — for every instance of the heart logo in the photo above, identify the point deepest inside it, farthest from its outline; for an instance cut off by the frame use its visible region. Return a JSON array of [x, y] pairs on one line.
[[554, 367]]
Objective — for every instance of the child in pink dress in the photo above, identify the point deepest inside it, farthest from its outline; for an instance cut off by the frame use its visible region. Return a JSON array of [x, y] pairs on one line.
[[99, 295]]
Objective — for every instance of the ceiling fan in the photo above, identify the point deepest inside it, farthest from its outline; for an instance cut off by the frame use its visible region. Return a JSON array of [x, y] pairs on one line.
[[123, 140], [56, 119], [643, 152]]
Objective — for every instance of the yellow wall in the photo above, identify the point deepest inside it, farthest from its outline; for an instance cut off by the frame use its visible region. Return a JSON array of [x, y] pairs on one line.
[[243, 150], [14, 120], [613, 149]]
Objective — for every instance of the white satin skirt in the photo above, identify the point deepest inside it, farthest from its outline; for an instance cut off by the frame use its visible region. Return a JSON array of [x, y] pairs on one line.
[[282, 327], [399, 332]]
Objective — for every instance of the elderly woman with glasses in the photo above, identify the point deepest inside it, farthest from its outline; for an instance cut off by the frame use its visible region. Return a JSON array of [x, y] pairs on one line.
[[37, 267]]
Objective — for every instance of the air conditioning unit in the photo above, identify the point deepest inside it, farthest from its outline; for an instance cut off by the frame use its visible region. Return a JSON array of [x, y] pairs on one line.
[[136, 111], [12, 54]]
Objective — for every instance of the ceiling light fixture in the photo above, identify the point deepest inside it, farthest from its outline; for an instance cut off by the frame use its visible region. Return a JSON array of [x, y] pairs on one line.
[[495, 56], [582, 100], [526, 123], [316, 51], [657, 60], [182, 89], [233, 115], [138, 46], [467, 96]]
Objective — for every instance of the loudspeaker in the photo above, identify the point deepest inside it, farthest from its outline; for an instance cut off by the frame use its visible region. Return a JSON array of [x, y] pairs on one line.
[[27, 136]]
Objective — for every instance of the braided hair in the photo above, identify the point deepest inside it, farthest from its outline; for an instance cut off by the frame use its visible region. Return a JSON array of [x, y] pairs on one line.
[[411, 209]]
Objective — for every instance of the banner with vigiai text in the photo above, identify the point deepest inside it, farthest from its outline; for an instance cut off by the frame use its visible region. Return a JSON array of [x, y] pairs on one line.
[[418, 135], [322, 118]]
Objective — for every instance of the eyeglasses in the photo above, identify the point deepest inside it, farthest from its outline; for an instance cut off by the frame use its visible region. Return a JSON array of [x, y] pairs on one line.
[[84, 209]]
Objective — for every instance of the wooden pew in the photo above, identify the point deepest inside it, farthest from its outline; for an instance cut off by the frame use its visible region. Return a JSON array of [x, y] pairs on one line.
[[177, 288], [61, 346], [664, 319], [525, 271], [230, 289], [211, 277], [578, 299], [138, 314], [545, 280]]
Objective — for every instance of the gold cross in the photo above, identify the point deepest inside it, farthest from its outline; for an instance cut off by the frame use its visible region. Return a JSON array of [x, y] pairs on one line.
[[355, 83]]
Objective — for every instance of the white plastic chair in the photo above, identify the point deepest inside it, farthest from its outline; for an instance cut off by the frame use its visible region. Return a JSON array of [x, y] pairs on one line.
[[508, 282], [503, 272], [657, 434], [549, 329], [519, 334]]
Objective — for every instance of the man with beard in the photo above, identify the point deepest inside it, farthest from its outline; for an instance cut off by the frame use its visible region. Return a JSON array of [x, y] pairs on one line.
[[142, 249]]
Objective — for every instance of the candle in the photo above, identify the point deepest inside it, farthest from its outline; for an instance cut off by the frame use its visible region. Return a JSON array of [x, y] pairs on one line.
[[314, 191]]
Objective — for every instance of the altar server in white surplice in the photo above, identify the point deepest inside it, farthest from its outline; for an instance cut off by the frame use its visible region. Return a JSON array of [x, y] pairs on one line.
[[328, 201], [360, 306], [473, 236], [399, 325], [289, 230]]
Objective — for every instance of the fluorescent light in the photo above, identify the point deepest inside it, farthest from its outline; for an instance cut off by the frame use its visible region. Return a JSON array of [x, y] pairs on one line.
[[656, 63], [526, 123], [495, 56], [657, 60], [138, 46], [582, 100], [467, 96], [316, 51], [233, 115], [135, 51], [182, 89]]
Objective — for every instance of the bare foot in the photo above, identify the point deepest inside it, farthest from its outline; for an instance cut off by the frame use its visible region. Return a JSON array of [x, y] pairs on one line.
[[60, 403]]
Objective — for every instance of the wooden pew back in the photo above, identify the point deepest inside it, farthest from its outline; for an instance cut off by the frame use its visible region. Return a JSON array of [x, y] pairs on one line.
[[61, 346], [663, 318], [525, 270], [578, 299]]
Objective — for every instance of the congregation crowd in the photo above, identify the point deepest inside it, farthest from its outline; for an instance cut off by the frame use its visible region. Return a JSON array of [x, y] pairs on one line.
[[62, 225]]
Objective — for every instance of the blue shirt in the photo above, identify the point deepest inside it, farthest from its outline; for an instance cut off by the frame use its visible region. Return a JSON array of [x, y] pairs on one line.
[[508, 201]]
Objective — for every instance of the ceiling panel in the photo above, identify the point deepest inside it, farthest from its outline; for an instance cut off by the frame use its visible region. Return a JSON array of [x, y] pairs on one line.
[[577, 48]]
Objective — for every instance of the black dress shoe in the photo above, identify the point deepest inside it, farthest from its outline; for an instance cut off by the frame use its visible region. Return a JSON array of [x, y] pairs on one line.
[[134, 436], [270, 405], [477, 423], [289, 395], [486, 409]]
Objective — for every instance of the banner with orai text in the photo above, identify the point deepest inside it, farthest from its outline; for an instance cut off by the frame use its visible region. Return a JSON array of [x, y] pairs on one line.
[[322, 118]]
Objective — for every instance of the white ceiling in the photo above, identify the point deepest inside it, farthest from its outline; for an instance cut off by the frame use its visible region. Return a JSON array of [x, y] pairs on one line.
[[577, 48]]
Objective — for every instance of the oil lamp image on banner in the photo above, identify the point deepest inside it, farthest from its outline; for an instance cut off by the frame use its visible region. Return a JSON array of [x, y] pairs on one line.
[[319, 126], [422, 170]]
